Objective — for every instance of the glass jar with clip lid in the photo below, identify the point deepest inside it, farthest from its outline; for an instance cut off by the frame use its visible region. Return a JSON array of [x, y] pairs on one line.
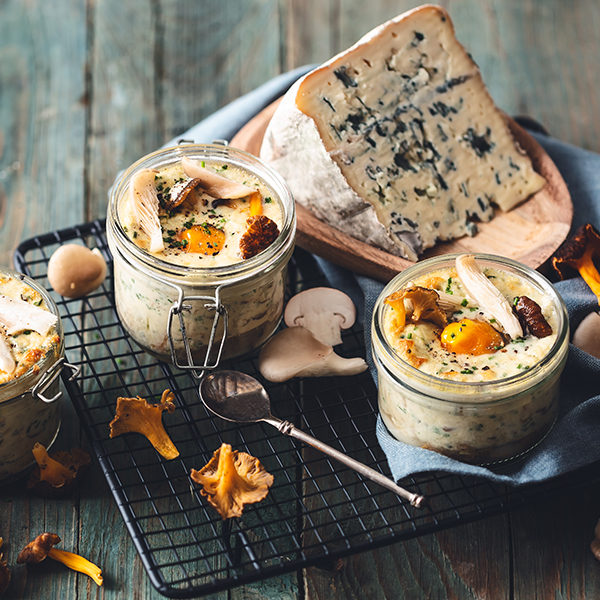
[[194, 308]]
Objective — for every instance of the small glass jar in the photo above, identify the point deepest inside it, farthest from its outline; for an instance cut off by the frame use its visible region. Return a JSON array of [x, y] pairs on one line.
[[193, 316], [477, 422], [29, 404]]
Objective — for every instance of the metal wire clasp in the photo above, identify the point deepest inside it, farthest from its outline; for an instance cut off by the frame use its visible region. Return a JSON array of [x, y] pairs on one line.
[[177, 310], [49, 377]]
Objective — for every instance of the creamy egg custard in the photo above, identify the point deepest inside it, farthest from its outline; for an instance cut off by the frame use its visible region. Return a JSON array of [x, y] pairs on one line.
[[203, 231]]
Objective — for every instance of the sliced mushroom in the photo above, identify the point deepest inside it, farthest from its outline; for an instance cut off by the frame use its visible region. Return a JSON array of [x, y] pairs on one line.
[[295, 352], [180, 192], [18, 315], [74, 271], [323, 311], [587, 335], [213, 184], [578, 253], [144, 204], [487, 295], [7, 360]]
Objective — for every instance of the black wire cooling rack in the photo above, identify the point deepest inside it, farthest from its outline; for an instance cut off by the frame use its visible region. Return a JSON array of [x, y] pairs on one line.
[[316, 510]]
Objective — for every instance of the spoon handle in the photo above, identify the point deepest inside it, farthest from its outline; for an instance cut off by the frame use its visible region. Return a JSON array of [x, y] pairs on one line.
[[288, 428]]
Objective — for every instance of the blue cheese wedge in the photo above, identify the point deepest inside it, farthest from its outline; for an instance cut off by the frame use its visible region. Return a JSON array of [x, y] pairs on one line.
[[401, 140]]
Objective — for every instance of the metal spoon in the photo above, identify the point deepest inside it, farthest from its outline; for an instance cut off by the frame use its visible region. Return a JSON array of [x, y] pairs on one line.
[[237, 397]]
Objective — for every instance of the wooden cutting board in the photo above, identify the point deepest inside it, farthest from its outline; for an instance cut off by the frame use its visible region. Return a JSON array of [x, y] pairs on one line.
[[530, 233]]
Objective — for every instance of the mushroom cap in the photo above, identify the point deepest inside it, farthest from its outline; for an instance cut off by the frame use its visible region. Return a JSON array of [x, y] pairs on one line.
[[321, 299], [74, 271], [568, 255], [289, 352], [37, 550], [587, 335]]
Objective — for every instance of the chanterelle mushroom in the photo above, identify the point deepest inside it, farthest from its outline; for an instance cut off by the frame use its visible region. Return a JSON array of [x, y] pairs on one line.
[[232, 479], [578, 253], [54, 475], [487, 295], [42, 546], [4, 571], [323, 311], [418, 304], [136, 415], [74, 271], [295, 352]]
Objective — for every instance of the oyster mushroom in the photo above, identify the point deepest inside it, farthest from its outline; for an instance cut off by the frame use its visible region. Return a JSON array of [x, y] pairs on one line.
[[74, 271], [587, 335], [323, 311], [578, 253], [42, 546], [144, 205], [487, 295], [218, 186], [295, 352], [18, 315]]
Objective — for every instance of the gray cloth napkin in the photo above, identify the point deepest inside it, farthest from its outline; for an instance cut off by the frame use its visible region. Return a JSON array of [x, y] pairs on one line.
[[574, 441]]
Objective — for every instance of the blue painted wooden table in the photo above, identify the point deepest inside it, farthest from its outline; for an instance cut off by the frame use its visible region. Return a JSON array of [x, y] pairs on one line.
[[88, 87]]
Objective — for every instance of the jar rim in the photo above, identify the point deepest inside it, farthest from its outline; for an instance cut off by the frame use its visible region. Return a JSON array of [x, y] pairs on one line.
[[25, 381], [395, 365], [233, 156]]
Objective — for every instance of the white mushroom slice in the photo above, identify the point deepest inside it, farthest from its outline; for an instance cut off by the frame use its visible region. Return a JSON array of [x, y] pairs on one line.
[[7, 360], [144, 205], [481, 290], [17, 316], [215, 185], [294, 352], [323, 311], [587, 335]]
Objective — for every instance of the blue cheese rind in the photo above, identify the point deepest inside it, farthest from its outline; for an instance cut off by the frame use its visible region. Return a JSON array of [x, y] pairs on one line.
[[397, 142]]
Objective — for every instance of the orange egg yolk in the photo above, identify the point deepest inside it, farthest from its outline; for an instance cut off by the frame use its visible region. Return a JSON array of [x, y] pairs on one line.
[[471, 337], [203, 239]]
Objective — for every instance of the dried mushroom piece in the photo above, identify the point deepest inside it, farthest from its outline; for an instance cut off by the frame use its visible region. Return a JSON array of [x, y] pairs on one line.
[[180, 192], [530, 315], [232, 479], [42, 546], [56, 473], [578, 253], [4, 571], [136, 415], [261, 233]]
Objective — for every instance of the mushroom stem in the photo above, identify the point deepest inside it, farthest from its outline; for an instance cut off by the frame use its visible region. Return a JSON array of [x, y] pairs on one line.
[[77, 563], [589, 273], [334, 364]]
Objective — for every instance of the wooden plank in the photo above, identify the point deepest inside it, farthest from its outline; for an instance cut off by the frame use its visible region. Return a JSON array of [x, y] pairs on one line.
[[42, 119]]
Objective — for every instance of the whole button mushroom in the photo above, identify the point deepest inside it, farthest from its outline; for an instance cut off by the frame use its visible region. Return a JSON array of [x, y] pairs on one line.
[[323, 311], [74, 271]]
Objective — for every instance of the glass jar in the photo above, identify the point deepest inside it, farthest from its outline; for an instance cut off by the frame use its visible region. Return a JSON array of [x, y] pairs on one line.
[[193, 316], [477, 422], [29, 404]]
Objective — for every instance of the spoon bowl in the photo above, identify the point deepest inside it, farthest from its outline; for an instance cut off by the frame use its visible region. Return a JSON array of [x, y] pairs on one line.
[[240, 398]]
